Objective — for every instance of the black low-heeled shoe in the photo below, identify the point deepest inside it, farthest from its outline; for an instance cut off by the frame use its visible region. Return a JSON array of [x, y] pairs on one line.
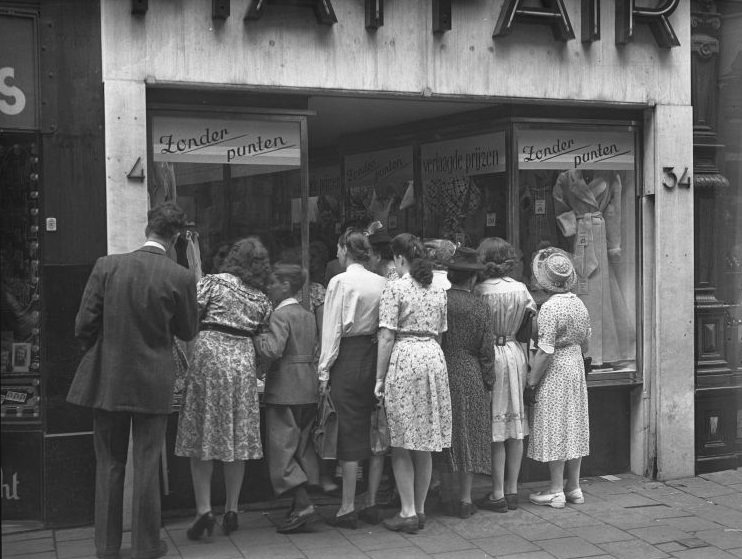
[[205, 523], [229, 522], [349, 520]]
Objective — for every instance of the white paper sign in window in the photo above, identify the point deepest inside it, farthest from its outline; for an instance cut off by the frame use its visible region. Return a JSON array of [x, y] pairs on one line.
[[275, 145]]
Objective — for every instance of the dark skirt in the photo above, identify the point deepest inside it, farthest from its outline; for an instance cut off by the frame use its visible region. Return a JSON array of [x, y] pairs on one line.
[[352, 380]]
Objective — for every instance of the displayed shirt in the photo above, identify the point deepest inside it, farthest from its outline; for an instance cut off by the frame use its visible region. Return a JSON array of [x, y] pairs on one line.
[[351, 309]]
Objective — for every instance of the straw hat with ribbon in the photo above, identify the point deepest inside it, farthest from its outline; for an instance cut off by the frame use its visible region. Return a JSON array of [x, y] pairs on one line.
[[553, 270]]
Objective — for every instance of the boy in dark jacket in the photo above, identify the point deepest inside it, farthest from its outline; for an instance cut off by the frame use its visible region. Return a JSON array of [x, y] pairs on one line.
[[291, 394]]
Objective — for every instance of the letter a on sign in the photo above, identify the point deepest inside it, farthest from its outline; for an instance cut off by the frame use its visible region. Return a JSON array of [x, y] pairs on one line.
[[627, 12], [554, 14]]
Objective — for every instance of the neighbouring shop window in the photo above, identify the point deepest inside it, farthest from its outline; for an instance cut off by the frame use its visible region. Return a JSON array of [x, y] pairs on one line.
[[465, 188], [20, 255], [576, 190]]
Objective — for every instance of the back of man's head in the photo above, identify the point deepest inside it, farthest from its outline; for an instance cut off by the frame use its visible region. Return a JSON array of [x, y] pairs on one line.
[[165, 220]]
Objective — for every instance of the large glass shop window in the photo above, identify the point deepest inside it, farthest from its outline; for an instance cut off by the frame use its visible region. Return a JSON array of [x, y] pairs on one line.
[[234, 177], [464, 188], [576, 190]]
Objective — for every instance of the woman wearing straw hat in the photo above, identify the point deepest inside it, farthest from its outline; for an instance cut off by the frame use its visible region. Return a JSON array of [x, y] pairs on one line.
[[560, 432]]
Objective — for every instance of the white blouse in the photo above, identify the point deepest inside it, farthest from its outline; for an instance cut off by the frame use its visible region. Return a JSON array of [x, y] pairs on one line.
[[351, 309]]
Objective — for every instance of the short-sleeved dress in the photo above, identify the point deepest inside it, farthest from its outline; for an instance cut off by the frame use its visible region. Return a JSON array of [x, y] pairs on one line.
[[508, 301], [561, 428], [220, 418], [417, 398], [469, 350]]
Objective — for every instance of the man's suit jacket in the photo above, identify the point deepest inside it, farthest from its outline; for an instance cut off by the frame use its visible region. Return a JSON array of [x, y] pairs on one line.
[[292, 340], [132, 306]]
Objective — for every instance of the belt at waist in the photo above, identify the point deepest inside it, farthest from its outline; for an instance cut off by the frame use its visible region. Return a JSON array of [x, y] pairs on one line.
[[414, 337], [306, 358], [502, 340], [359, 339], [225, 330], [589, 215]]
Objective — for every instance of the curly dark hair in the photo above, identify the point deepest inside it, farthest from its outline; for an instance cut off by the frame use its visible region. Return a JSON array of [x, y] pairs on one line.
[[248, 260], [410, 246], [165, 220], [356, 242], [498, 256]]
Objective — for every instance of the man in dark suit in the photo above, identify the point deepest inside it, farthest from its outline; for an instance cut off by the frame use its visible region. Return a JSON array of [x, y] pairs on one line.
[[132, 307]]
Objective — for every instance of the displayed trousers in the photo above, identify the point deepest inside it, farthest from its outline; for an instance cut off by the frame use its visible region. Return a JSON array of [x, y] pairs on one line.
[[291, 457], [111, 439]]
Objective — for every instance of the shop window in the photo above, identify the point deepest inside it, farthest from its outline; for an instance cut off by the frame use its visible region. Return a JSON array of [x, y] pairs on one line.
[[576, 190]]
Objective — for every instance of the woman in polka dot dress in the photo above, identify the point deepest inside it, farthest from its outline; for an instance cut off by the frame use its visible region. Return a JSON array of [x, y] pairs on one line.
[[560, 431]]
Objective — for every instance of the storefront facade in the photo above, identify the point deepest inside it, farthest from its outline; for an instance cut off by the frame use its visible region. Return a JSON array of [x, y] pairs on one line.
[[568, 125]]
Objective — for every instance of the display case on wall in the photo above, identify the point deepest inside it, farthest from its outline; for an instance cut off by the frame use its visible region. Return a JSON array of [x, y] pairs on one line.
[[20, 363]]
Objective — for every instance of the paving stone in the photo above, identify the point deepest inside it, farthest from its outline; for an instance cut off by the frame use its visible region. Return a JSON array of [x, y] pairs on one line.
[[76, 548], [568, 548], [703, 553], [735, 552], [601, 534], [285, 551], [72, 534], [573, 520], [336, 552], [625, 519], [701, 487], [692, 543], [691, 524], [465, 554], [441, 543], [312, 540], [218, 549], [632, 500], [21, 547], [400, 553], [545, 531], [726, 538], [726, 477], [378, 538], [482, 528], [669, 547], [733, 501], [260, 536], [721, 515], [528, 555], [659, 534], [633, 549], [504, 545]]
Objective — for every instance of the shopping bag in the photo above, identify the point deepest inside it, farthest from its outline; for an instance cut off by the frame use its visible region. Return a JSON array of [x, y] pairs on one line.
[[325, 432], [380, 441]]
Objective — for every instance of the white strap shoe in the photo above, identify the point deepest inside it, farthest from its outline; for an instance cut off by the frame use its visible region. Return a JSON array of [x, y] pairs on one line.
[[553, 500], [575, 496]]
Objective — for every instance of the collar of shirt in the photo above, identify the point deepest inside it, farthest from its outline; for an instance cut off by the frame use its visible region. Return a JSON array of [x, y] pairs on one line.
[[155, 244], [286, 302], [355, 266]]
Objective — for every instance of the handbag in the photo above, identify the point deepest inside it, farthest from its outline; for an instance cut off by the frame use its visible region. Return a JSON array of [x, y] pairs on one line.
[[325, 431], [525, 330], [380, 439]]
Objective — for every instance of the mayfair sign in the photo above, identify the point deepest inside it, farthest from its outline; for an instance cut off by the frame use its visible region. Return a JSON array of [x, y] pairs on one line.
[[551, 13]]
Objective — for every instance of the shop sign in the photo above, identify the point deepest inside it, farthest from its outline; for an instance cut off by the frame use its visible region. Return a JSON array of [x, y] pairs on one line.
[[20, 475], [324, 181], [379, 184], [475, 155], [575, 149], [273, 144], [18, 73]]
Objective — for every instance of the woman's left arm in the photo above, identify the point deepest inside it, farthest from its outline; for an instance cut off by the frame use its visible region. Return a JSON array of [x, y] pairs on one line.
[[384, 353]]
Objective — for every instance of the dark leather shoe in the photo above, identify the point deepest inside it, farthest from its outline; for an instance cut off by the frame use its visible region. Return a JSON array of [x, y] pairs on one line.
[[161, 551], [298, 520], [512, 500], [397, 523], [466, 509], [230, 523], [205, 523], [494, 505], [349, 520], [371, 515], [421, 520]]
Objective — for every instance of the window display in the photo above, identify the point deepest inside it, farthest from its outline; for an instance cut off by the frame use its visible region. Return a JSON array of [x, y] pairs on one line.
[[576, 191]]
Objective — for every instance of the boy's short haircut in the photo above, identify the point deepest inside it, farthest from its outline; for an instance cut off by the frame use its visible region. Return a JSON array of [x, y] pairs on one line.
[[292, 273]]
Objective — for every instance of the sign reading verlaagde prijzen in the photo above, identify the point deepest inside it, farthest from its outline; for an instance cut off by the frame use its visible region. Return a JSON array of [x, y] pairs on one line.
[[475, 155]]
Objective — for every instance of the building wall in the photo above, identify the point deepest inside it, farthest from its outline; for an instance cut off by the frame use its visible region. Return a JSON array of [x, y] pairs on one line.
[[179, 43]]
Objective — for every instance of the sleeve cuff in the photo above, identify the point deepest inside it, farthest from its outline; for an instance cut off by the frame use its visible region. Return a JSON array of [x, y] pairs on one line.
[[567, 222], [546, 348]]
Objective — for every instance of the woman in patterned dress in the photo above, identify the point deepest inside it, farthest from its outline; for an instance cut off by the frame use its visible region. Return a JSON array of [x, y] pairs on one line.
[[219, 418], [411, 375], [468, 346], [508, 301], [560, 433]]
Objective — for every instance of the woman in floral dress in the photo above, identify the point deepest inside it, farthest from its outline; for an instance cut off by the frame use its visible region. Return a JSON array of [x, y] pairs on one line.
[[509, 301], [560, 434], [220, 418], [411, 375]]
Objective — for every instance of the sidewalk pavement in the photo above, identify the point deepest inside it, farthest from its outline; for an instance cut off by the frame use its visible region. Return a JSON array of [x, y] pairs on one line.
[[623, 516]]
